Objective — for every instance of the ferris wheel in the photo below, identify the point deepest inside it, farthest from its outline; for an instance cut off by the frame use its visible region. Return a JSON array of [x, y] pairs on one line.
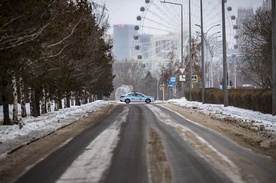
[[159, 26]]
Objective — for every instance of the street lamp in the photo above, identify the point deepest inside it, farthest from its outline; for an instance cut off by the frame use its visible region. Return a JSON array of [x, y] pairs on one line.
[[190, 51], [212, 36], [202, 54], [235, 71], [225, 69], [208, 47], [212, 27], [211, 74], [181, 41], [211, 50]]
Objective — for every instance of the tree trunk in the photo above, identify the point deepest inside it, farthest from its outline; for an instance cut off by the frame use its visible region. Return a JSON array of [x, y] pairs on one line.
[[85, 97], [68, 100], [56, 104], [7, 120], [15, 100], [60, 103], [4, 95], [82, 96], [77, 98], [22, 98], [43, 102], [49, 105], [31, 102], [72, 99], [95, 98], [37, 104], [90, 99]]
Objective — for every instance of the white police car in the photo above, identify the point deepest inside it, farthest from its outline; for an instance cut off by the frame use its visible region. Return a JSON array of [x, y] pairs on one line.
[[136, 97]]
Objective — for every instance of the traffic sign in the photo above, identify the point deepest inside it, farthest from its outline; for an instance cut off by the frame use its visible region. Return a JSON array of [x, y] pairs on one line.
[[194, 78], [181, 70], [162, 87], [172, 81], [182, 77]]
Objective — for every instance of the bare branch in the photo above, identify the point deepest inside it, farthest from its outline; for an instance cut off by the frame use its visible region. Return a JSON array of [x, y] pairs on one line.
[[65, 38]]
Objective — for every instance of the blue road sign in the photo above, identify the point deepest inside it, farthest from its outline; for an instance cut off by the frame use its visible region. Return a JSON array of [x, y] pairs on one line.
[[172, 81]]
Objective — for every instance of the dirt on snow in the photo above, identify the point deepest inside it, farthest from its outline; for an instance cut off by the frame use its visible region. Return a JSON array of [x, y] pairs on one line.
[[245, 134], [15, 163]]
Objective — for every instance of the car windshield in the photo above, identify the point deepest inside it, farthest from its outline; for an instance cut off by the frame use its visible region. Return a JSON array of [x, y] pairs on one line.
[[139, 95]]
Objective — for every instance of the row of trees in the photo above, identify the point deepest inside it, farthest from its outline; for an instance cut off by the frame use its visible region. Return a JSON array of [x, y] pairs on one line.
[[50, 50]]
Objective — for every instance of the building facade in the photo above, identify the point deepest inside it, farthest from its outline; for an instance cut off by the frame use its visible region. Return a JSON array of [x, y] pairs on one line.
[[267, 4], [123, 41], [243, 14]]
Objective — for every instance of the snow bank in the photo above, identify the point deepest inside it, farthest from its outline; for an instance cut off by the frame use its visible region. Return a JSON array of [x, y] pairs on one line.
[[12, 136], [256, 118]]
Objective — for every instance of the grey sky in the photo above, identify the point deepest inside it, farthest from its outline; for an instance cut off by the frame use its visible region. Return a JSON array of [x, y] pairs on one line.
[[126, 11]]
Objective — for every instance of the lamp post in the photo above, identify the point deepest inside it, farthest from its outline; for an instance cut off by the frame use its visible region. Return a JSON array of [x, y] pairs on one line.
[[207, 42], [190, 51], [212, 27], [212, 36], [235, 71], [202, 53], [181, 41], [225, 87], [212, 56], [203, 39], [211, 50]]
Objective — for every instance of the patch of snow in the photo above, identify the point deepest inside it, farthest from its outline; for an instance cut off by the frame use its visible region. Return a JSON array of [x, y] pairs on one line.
[[201, 146], [91, 164], [12, 137], [235, 113]]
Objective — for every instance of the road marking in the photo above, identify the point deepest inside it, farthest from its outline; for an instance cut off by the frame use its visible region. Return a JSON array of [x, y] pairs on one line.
[[96, 158], [201, 146]]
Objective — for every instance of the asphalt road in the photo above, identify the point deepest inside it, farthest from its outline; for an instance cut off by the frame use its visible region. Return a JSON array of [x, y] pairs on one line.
[[116, 151]]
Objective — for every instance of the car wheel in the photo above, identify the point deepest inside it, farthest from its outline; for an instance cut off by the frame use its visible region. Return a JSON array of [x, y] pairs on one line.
[[127, 101], [147, 101]]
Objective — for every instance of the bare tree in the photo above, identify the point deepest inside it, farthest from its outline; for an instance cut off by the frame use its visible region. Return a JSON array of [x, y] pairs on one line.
[[196, 62], [130, 72], [256, 49], [169, 69]]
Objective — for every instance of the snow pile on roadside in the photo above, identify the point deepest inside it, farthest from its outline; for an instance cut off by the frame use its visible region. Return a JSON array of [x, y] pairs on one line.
[[49, 122], [230, 113]]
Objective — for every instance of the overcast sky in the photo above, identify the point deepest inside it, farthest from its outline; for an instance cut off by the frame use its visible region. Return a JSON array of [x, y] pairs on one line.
[[126, 11]]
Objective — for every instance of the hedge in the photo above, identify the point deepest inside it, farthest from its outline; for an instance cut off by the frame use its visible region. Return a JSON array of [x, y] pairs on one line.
[[253, 99]]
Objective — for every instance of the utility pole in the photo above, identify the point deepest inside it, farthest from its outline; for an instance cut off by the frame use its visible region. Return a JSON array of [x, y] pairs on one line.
[[225, 70], [202, 55], [190, 51], [182, 60]]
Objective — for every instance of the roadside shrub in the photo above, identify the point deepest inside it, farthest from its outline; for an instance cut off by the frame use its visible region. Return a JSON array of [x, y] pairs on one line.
[[253, 99], [213, 96]]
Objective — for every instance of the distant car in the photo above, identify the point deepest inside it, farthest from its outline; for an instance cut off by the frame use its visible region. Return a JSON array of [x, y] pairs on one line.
[[136, 97]]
